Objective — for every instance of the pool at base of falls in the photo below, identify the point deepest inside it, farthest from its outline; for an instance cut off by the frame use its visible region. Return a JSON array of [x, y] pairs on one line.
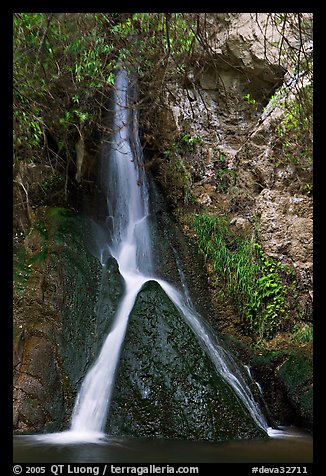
[[287, 444]]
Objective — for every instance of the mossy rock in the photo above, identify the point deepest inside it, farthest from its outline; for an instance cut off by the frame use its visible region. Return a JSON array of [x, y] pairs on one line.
[[166, 386], [296, 376], [90, 297], [66, 299], [286, 377]]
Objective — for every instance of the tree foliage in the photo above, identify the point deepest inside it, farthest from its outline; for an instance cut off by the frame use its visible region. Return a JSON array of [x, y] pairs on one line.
[[60, 62], [64, 65]]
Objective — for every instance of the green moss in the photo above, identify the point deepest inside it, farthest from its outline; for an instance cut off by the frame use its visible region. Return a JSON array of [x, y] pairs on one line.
[[176, 180], [64, 291], [306, 401], [269, 358], [176, 177], [22, 271], [296, 375], [296, 371], [53, 228], [61, 221], [287, 376]]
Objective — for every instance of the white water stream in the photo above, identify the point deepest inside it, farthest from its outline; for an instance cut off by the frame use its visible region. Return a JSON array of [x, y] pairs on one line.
[[131, 247]]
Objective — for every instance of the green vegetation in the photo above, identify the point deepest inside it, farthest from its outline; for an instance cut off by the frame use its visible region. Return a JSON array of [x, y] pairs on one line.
[[183, 179], [58, 59], [176, 180], [294, 144], [294, 132], [190, 141], [175, 175], [170, 34], [296, 128], [255, 283], [302, 333], [64, 67], [63, 71], [249, 99], [183, 144]]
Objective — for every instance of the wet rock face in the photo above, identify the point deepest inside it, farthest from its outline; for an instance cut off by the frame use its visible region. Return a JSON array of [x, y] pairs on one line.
[[287, 382], [61, 315], [296, 377], [166, 385], [39, 402], [86, 317], [110, 294]]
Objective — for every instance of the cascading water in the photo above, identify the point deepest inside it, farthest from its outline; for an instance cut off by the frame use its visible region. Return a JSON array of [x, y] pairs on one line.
[[130, 245]]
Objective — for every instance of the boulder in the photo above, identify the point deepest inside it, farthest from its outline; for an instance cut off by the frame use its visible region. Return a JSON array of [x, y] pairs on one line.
[[166, 385]]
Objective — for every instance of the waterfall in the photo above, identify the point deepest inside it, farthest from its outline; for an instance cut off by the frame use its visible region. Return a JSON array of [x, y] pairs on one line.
[[130, 244], [127, 199]]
